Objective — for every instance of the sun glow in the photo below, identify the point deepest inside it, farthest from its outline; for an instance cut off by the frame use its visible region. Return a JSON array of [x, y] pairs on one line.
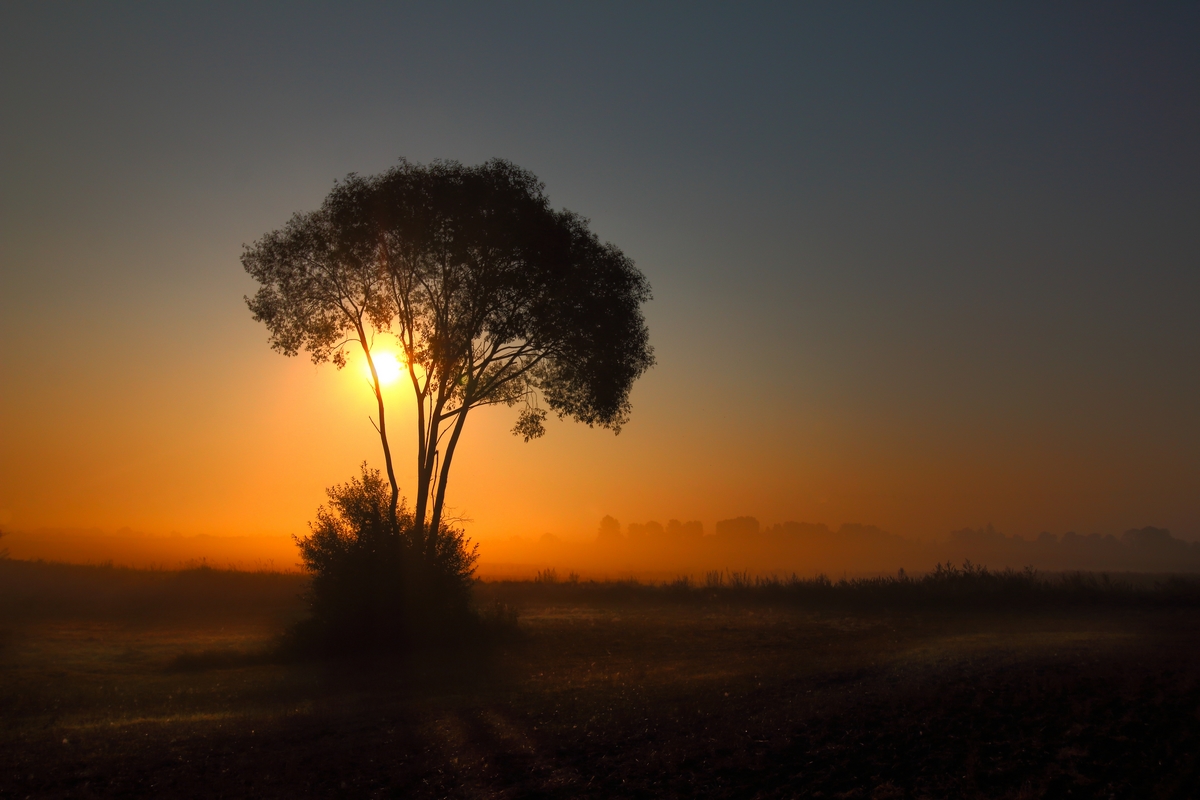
[[389, 367]]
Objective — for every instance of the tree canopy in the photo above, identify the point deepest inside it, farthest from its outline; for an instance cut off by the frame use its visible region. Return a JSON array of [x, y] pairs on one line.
[[492, 295]]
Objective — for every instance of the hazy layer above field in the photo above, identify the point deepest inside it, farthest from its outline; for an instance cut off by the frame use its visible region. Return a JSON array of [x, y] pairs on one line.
[[145, 551], [654, 551]]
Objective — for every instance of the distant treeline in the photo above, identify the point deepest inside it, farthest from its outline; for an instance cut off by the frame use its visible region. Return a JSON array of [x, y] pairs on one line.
[[742, 542]]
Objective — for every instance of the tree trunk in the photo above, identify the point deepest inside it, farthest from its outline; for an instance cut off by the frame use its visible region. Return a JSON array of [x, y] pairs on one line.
[[382, 427], [423, 472], [426, 460], [424, 476], [440, 500]]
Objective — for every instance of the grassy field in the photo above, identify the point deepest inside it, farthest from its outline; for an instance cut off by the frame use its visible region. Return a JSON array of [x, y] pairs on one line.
[[606, 691]]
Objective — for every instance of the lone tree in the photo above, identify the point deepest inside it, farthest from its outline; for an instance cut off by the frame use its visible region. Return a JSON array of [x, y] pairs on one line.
[[493, 297]]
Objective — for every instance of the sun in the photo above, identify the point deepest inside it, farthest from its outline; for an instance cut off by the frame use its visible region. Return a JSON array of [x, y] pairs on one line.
[[387, 365]]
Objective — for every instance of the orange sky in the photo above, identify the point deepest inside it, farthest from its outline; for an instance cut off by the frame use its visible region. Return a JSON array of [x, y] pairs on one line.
[[913, 269], [245, 445]]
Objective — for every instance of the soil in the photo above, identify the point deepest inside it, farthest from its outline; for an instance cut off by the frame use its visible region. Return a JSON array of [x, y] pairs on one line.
[[595, 700]]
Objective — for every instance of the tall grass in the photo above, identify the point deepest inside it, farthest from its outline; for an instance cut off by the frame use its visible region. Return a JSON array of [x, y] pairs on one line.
[[947, 586], [41, 590]]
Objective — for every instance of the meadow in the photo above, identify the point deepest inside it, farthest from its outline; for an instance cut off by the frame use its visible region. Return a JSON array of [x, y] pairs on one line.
[[964, 684]]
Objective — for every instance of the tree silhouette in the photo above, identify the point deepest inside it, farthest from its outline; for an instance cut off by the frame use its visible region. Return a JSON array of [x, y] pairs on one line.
[[493, 296]]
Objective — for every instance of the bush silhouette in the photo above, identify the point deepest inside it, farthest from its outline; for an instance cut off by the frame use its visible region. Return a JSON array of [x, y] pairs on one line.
[[376, 584]]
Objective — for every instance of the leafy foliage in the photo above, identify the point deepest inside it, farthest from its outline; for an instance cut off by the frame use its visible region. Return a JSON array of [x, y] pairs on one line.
[[374, 582], [318, 285], [493, 296]]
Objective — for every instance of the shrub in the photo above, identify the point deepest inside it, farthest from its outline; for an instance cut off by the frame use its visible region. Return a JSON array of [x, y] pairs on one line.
[[375, 584]]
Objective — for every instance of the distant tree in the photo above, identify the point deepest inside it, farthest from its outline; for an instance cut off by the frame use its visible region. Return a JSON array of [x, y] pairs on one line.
[[689, 531], [737, 528], [650, 531], [610, 530], [493, 296]]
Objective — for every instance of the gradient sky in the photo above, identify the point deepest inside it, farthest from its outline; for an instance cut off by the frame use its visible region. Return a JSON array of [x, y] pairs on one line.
[[925, 266]]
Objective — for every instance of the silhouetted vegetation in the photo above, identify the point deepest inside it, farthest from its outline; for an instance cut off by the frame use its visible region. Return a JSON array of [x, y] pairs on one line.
[[41, 590], [377, 582], [969, 588], [493, 297], [36, 590]]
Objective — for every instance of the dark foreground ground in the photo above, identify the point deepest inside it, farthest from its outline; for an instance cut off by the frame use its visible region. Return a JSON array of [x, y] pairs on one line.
[[617, 698]]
